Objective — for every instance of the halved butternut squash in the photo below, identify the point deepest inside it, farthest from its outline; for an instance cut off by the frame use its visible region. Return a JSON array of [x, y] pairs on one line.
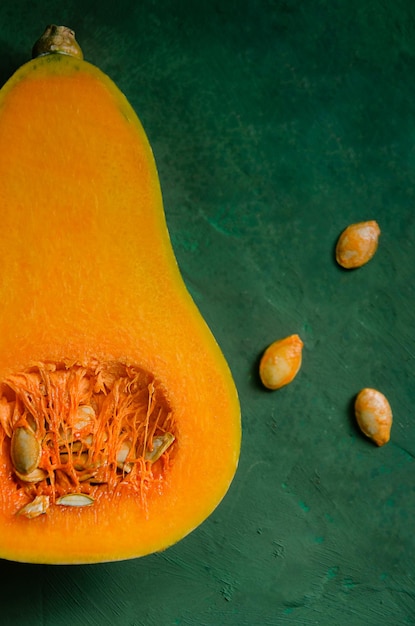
[[119, 418]]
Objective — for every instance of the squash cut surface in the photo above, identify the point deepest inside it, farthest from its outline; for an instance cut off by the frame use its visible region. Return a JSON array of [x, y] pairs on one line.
[[112, 387]]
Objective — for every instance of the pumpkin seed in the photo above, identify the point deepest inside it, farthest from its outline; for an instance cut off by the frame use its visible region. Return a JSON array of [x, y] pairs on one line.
[[160, 445], [25, 450], [75, 499], [123, 452], [122, 455], [281, 362], [80, 461], [36, 476], [126, 467], [37, 507], [76, 446], [97, 477], [374, 415], [31, 423], [357, 244], [83, 420], [85, 475], [69, 438], [85, 417]]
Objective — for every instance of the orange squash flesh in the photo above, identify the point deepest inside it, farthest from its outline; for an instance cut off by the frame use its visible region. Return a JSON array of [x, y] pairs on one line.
[[88, 275]]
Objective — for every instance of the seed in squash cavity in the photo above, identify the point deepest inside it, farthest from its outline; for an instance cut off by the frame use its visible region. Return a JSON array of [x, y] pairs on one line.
[[85, 417], [31, 423], [36, 476], [37, 507], [25, 450], [160, 445], [122, 454], [357, 244], [80, 461], [281, 362], [75, 446], [87, 475], [75, 499], [83, 422], [374, 415]]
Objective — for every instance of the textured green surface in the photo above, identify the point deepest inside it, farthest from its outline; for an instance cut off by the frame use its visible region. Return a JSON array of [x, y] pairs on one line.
[[274, 125]]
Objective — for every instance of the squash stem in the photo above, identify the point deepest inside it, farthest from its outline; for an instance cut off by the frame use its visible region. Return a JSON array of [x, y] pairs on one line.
[[57, 40]]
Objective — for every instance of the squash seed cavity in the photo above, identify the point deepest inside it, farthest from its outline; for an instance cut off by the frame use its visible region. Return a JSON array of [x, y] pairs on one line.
[[75, 434]]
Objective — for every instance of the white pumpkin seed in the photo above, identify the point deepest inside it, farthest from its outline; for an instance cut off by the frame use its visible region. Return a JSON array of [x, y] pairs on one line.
[[374, 415], [75, 499], [160, 445], [37, 507], [281, 362], [25, 450], [122, 454], [126, 467], [36, 476], [85, 416], [357, 244], [80, 461], [83, 419], [85, 475]]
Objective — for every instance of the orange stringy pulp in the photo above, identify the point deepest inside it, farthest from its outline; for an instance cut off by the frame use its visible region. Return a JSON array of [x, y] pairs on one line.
[[86, 430]]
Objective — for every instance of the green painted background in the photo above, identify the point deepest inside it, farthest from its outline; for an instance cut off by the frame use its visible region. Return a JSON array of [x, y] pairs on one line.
[[274, 125]]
